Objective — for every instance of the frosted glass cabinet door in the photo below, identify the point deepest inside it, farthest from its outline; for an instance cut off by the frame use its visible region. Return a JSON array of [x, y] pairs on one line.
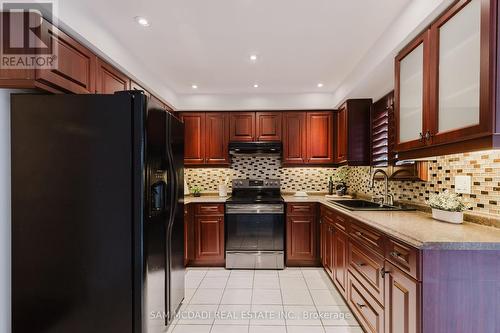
[[411, 90], [459, 69]]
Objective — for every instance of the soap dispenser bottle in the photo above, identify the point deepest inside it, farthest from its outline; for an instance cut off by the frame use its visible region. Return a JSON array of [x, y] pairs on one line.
[[330, 186]]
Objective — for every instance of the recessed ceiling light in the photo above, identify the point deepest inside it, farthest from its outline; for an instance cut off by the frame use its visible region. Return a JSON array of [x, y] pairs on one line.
[[320, 85], [253, 57], [194, 86], [256, 85], [142, 21]]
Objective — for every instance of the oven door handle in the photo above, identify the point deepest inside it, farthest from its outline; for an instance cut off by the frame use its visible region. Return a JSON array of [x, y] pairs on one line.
[[255, 209]]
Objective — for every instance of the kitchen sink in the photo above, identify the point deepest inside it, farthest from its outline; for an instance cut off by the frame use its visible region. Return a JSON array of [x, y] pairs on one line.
[[357, 204]]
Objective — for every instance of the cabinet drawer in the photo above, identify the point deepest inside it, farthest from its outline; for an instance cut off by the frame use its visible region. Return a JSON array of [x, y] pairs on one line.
[[364, 306], [326, 212], [366, 265], [368, 237], [301, 209], [340, 221], [209, 209], [403, 256]]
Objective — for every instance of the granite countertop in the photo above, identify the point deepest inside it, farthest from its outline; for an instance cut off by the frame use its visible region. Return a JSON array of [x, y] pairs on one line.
[[205, 198], [419, 229], [413, 227]]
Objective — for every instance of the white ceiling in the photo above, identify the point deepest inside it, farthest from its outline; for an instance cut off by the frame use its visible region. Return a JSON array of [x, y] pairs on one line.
[[299, 43]]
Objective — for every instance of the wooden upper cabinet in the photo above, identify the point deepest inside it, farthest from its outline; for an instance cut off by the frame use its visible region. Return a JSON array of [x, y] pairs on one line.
[[460, 90], [76, 65], [194, 137], [411, 93], [268, 126], [136, 86], [352, 132], [109, 79], [216, 138], [242, 126], [445, 84], [294, 138], [319, 142], [340, 155]]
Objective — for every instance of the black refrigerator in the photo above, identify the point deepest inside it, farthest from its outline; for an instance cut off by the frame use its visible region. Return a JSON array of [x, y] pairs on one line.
[[97, 214]]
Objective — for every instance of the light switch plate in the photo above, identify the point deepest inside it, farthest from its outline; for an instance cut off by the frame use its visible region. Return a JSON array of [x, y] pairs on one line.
[[463, 184]]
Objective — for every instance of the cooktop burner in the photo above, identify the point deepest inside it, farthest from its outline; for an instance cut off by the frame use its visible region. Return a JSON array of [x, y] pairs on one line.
[[256, 191]]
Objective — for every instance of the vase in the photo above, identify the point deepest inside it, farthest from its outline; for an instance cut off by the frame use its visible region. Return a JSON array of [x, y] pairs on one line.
[[446, 216]]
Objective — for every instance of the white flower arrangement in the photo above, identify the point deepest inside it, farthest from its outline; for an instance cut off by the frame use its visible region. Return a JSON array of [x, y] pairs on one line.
[[450, 202]]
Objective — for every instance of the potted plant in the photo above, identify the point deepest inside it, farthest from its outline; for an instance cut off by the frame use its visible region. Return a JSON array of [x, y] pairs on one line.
[[448, 207], [340, 178], [196, 190]]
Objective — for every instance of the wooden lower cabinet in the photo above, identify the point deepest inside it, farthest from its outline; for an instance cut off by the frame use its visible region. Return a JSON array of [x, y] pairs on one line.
[[368, 311], [339, 247], [327, 245], [403, 298], [301, 235], [208, 235]]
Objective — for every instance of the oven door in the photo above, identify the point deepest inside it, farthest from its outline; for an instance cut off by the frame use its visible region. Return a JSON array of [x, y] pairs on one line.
[[255, 227]]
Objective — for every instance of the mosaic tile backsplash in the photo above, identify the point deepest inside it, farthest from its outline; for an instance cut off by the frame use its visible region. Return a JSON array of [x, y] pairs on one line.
[[246, 167], [483, 167]]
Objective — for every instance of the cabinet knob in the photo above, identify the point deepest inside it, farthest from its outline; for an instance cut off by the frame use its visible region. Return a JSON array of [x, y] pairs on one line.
[[421, 135], [360, 305], [383, 272], [359, 233]]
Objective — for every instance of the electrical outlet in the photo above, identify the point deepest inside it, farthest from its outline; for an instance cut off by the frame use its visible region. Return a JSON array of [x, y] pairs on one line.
[[463, 184]]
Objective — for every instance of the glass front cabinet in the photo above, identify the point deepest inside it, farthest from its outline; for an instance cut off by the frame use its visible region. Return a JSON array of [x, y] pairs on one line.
[[445, 81]]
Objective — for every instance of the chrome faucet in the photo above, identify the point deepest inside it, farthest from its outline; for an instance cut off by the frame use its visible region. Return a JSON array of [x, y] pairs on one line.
[[388, 198]]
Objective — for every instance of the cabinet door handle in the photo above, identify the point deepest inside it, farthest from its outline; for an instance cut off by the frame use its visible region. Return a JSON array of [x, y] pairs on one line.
[[359, 233], [428, 135], [421, 137], [383, 272], [360, 264], [398, 256], [360, 305]]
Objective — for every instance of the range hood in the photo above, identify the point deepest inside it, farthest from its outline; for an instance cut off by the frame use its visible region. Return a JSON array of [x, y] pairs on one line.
[[255, 148]]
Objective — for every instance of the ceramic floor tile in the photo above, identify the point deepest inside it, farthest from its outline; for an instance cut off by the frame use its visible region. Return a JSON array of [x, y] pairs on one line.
[[229, 329], [317, 283], [326, 297], [233, 314], [290, 272], [207, 296], [188, 294], [213, 283], [296, 296], [192, 329], [192, 282], [305, 329], [336, 316], [293, 283], [218, 273], [302, 316], [266, 272], [266, 282], [242, 273], [236, 282], [267, 315], [237, 296], [266, 296], [343, 329], [197, 314], [267, 329]]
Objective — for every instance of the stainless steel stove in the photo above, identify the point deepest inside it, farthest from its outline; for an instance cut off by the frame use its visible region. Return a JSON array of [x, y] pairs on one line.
[[255, 225]]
